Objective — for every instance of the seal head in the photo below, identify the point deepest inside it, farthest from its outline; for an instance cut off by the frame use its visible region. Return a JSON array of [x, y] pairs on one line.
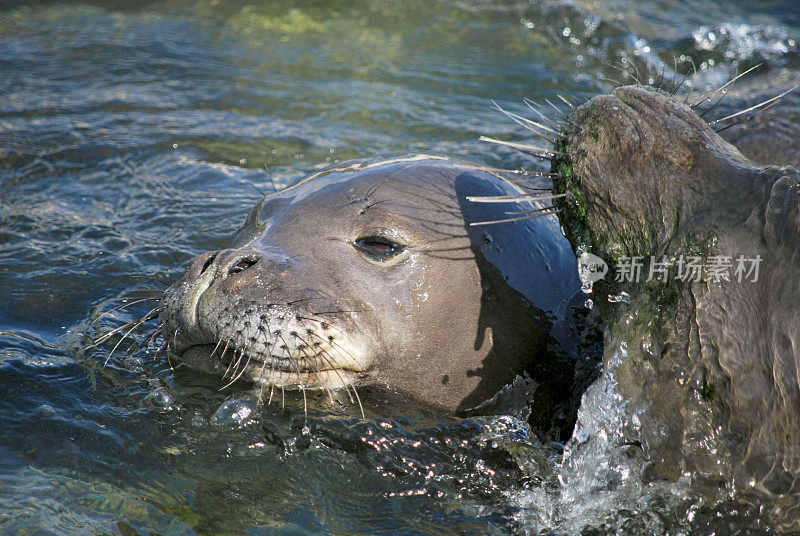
[[371, 272]]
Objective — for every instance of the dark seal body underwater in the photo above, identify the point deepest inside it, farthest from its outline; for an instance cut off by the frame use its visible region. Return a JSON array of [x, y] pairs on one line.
[[370, 272]]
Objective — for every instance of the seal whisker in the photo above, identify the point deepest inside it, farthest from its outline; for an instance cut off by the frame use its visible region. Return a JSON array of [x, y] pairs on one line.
[[235, 367], [755, 107], [636, 75], [688, 96], [566, 101], [232, 362], [253, 186], [538, 152], [317, 370], [148, 337], [347, 386], [135, 325], [339, 311], [614, 80], [271, 345], [673, 87], [130, 349], [335, 346], [507, 198], [554, 107], [174, 337], [293, 360], [272, 384], [244, 368], [721, 89], [360, 406], [536, 108], [244, 351], [747, 118], [214, 351], [154, 334], [224, 351], [513, 171], [135, 346], [305, 400], [263, 384], [507, 220], [234, 375], [123, 306], [328, 358], [330, 361], [680, 85], [510, 212], [267, 346], [660, 79], [716, 103], [527, 123], [147, 317], [375, 189], [709, 94], [271, 181]]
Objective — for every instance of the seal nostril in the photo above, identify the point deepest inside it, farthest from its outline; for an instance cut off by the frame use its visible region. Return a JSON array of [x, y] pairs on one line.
[[241, 265], [208, 262]]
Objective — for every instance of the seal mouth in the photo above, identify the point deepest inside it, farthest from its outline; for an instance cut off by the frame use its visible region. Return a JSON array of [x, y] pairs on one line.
[[311, 370]]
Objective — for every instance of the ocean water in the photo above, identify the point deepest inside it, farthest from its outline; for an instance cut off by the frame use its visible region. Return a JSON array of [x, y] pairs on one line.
[[135, 135]]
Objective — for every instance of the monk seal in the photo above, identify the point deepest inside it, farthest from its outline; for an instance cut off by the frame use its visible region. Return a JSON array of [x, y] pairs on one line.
[[371, 272], [706, 368]]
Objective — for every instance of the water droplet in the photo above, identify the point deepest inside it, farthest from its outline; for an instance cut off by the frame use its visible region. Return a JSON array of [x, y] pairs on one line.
[[45, 410], [235, 413], [161, 399]]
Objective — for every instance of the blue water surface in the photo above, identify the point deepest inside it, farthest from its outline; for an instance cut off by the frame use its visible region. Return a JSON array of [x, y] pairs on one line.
[[135, 135]]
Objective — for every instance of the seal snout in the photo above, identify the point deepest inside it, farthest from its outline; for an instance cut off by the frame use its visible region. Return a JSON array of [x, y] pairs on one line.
[[236, 269], [251, 312], [242, 264], [223, 263]]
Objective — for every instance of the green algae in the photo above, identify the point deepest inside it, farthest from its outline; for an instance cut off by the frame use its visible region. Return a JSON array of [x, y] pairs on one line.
[[575, 209]]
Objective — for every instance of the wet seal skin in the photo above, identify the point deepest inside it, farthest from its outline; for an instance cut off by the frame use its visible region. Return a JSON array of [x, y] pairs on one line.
[[370, 272], [708, 370]]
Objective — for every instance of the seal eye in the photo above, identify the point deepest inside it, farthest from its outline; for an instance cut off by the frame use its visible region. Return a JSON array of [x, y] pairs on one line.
[[378, 248]]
